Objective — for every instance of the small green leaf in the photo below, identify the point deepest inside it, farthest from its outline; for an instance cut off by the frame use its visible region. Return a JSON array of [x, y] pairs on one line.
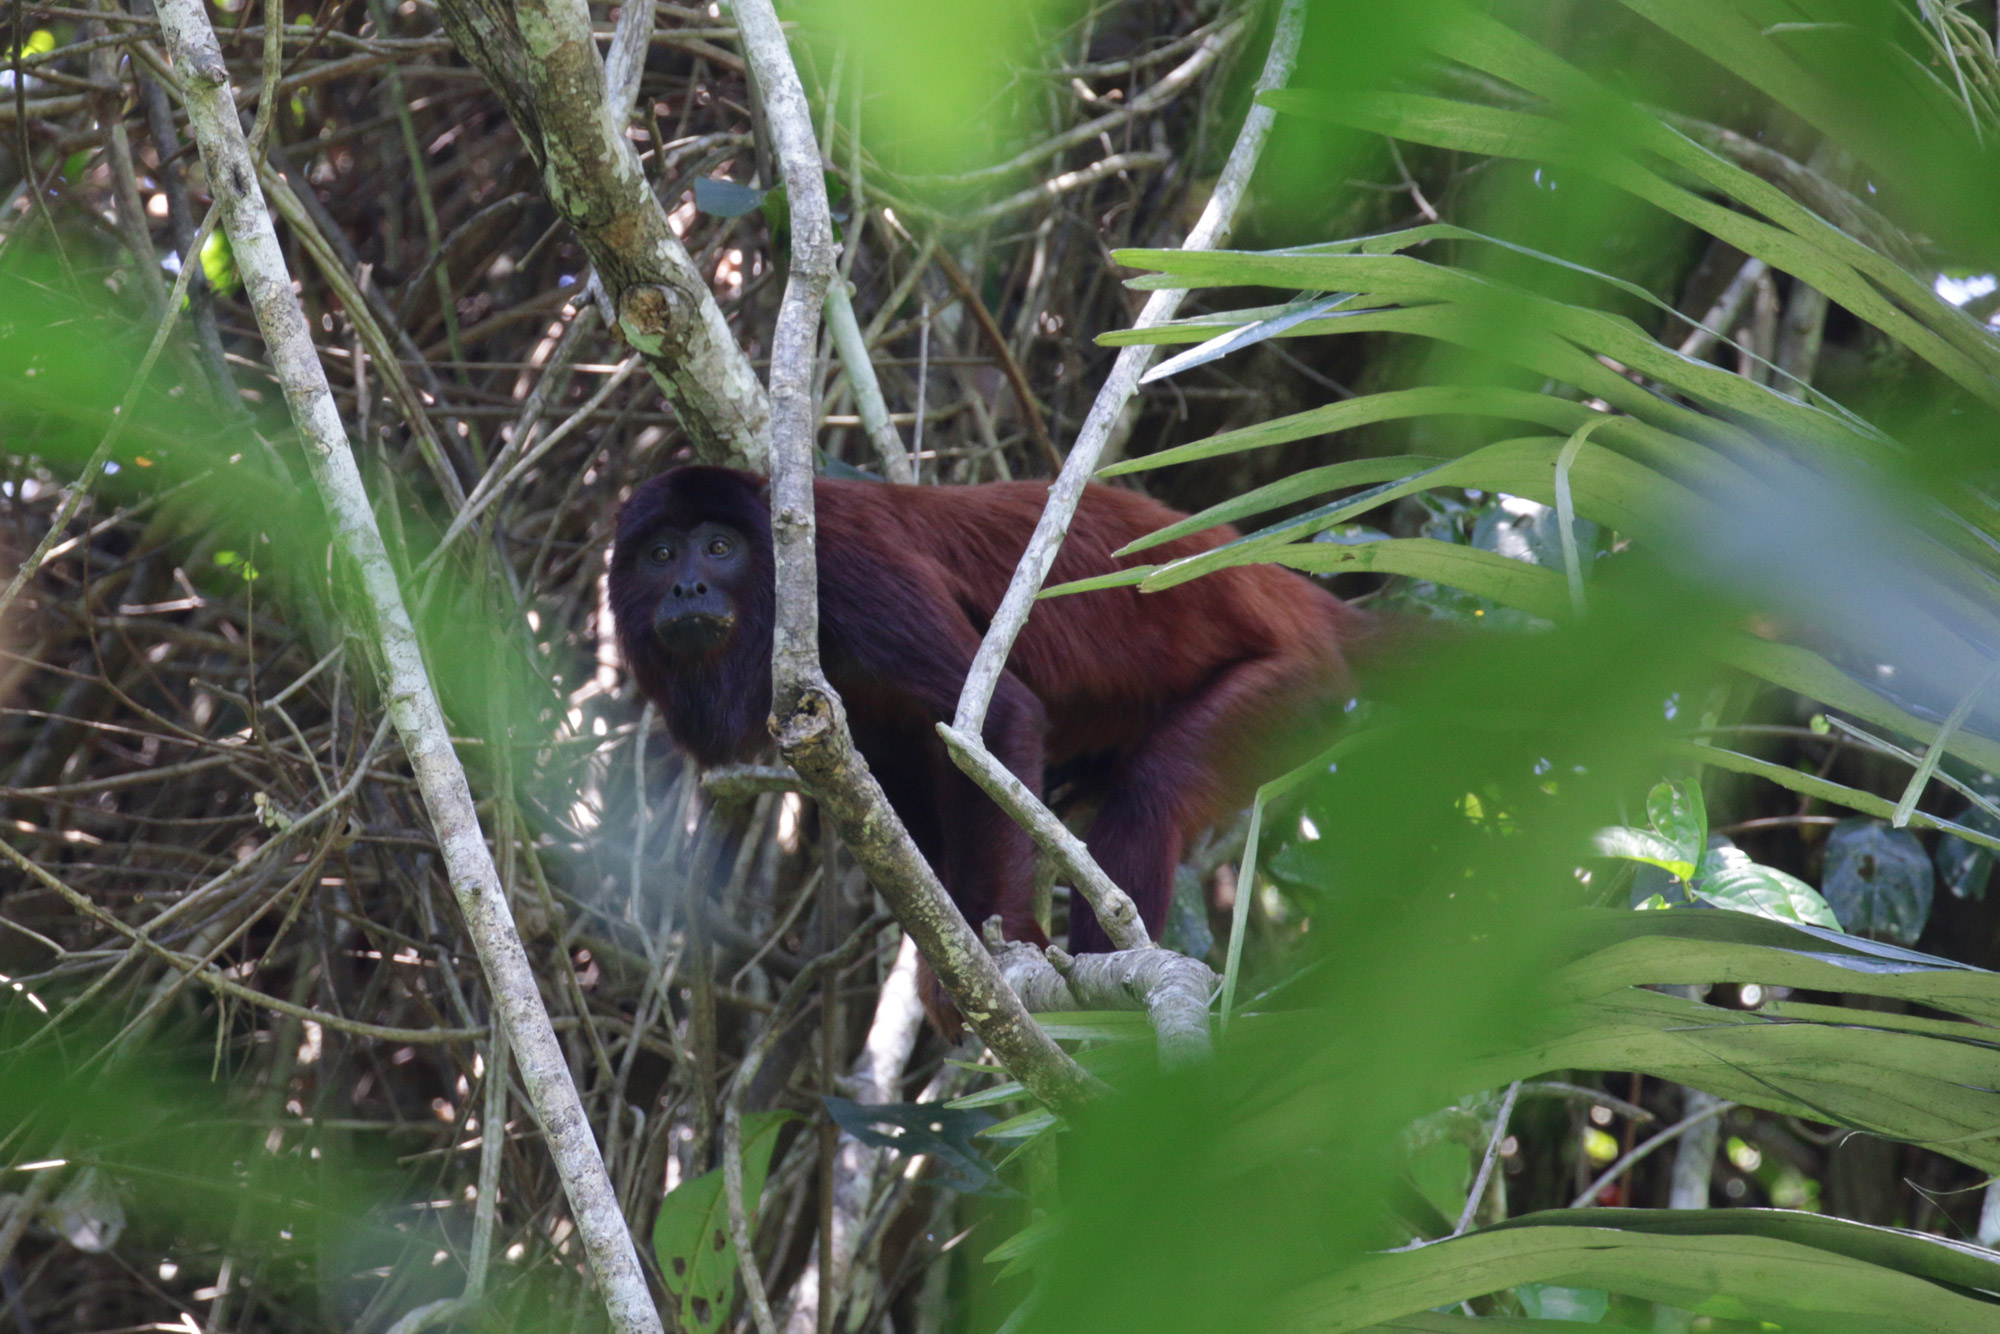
[[1020, 1250], [218, 264], [1966, 867], [1442, 1172], [1678, 812], [724, 198], [1025, 1126], [1644, 845], [943, 1133]]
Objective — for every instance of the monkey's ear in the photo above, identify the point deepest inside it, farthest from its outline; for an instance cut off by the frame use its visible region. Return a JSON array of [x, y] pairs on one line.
[[764, 493]]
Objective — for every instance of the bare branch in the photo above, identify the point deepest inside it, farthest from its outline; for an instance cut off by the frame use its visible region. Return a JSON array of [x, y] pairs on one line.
[[811, 727], [412, 703], [1115, 909], [1210, 230]]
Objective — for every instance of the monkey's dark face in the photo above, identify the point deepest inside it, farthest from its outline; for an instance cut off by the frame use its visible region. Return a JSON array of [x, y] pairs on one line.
[[694, 575], [691, 590]]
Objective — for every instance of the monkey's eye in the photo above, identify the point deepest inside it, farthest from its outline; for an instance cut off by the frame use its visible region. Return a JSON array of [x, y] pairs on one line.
[[661, 554], [718, 546]]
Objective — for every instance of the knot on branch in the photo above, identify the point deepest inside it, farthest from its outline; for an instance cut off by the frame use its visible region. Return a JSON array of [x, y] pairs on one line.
[[206, 67], [807, 729], [655, 319]]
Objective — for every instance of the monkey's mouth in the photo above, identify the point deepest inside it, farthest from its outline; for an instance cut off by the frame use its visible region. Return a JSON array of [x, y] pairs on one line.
[[694, 631]]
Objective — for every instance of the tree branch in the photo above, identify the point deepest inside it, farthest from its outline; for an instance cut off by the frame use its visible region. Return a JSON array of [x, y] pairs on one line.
[[413, 705], [1210, 230], [541, 58], [810, 725], [1171, 988], [1116, 912]]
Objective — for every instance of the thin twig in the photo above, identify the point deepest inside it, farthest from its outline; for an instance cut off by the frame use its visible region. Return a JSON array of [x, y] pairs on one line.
[[1493, 1143], [1667, 1136]]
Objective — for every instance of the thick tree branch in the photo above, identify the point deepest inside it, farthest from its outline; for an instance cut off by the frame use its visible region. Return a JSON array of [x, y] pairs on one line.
[[1171, 988], [811, 728], [541, 58], [413, 705]]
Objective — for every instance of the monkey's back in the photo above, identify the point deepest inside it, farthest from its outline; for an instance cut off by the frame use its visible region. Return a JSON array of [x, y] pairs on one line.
[[1107, 662]]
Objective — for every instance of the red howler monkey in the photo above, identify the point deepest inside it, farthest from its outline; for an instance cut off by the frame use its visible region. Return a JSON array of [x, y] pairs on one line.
[[1162, 709]]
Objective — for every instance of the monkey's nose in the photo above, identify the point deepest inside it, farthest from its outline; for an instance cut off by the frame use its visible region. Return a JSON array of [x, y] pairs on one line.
[[697, 589]]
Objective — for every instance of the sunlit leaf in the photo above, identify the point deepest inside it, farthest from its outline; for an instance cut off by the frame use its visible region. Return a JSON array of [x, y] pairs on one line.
[[1729, 879]]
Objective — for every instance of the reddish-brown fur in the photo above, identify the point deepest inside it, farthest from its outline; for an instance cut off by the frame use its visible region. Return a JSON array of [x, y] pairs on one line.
[[1162, 709]]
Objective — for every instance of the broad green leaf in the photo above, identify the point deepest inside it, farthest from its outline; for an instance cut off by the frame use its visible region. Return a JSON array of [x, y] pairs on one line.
[[691, 1235], [1442, 1172], [1287, 491], [1017, 1251], [725, 198], [1006, 1091], [943, 1133], [218, 264], [1809, 674], [1919, 1079], [1097, 1025], [1121, 579], [1903, 127], [1451, 1322], [1729, 879], [1878, 880], [1607, 487], [1468, 127], [1506, 335], [1965, 867], [1508, 312], [1878, 1078], [1025, 1126], [1484, 44], [1309, 305], [1679, 456], [1691, 948]]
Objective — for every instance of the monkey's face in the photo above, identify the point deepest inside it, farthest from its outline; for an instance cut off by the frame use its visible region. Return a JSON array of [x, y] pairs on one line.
[[694, 576]]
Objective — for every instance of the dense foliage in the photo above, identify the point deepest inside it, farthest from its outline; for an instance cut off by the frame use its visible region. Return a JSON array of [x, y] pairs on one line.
[[1623, 959]]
